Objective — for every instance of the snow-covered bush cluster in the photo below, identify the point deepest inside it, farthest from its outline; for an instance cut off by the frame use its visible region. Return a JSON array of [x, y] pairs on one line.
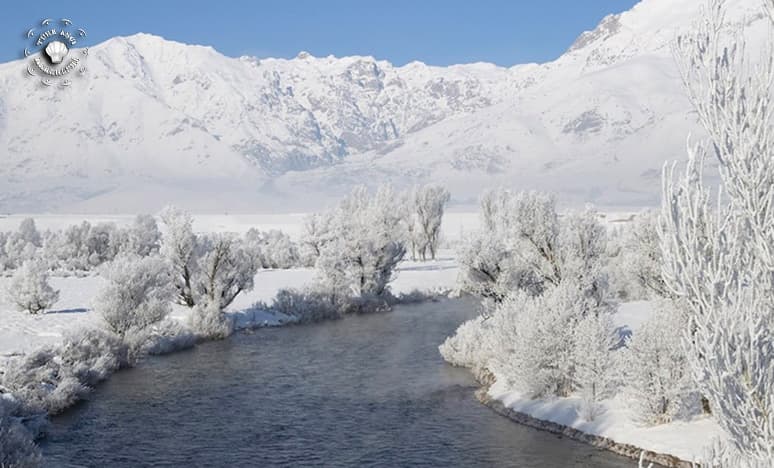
[[52, 378], [275, 249], [546, 327], [79, 248], [635, 260], [138, 293], [19, 246], [523, 246], [655, 369]]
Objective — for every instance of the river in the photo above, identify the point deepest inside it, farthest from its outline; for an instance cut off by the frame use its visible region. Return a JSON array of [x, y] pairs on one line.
[[363, 391]]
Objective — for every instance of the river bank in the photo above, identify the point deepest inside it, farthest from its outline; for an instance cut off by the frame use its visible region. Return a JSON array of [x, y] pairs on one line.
[[627, 450], [616, 428]]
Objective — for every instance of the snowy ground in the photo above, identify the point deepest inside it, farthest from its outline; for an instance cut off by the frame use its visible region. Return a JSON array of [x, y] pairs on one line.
[[21, 332], [683, 439]]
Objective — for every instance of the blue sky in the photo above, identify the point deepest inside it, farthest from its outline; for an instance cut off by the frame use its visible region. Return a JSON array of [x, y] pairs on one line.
[[438, 32]]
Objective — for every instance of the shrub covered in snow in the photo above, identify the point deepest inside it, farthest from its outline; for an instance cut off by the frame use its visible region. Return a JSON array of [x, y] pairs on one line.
[[19, 246], [138, 293], [143, 237], [467, 347], [52, 378], [549, 288], [308, 305], [595, 363], [655, 370], [29, 289], [273, 249], [165, 337], [524, 246], [209, 321]]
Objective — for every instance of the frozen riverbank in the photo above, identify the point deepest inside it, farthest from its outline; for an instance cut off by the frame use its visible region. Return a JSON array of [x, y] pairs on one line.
[[615, 428]]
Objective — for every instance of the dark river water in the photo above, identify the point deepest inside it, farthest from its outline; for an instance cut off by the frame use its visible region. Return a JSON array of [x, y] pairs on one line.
[[363, 391]]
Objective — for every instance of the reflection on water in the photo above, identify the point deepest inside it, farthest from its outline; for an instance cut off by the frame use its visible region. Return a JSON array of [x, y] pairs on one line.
[[364, 391]]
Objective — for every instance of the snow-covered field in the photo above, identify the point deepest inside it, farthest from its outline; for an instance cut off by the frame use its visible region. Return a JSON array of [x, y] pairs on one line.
[[21, 332]]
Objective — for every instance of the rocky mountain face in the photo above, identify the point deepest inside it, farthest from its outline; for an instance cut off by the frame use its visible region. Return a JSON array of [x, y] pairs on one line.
[[155, 121]]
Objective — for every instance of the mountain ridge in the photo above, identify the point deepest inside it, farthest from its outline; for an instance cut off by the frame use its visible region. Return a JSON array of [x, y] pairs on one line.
[[153, 115]]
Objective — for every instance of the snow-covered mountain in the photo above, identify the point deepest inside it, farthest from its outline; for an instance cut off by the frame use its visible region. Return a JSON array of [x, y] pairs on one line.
[[155, 121]]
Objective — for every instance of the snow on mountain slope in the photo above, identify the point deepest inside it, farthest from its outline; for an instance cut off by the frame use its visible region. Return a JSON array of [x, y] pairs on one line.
[[156, 121]]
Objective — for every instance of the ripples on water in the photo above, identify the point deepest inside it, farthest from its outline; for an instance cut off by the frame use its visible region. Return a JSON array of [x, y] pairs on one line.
[[363, 391]]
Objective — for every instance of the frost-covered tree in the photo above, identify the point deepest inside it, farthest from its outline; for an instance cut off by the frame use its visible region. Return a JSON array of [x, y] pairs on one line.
[[654, 368], [273, 249], [316, 233], [21, 245], [207, 269], [28, 231], [179, 247], [366, 244], [525, 246], [223, 271], [427, 207], [29, 289], [642, 258], [546, 277], [138, 293], [83, 247], [595, 375], [719, 251], [142, 237], [488, 270], [507, 254], [582, 254]]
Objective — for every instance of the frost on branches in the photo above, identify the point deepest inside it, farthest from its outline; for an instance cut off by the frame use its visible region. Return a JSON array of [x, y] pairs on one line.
[[29, 289], [655, 372], [517, 248], [365, 244], [595, 363], [206, 268], [425, 207], [719, 251], [138, 293], [548, 330]]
